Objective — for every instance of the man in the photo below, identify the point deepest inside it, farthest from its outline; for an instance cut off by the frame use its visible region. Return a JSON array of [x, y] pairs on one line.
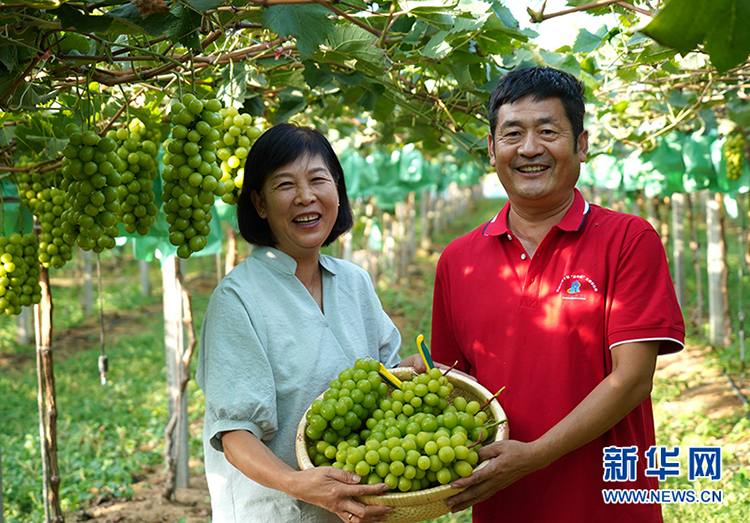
[[565, 304]]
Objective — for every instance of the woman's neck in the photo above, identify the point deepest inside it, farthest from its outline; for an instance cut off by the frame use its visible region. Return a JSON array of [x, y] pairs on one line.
[[310, 274]]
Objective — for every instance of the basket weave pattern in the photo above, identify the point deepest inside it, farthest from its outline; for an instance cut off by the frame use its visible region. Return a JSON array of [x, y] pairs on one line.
[[420, 505]]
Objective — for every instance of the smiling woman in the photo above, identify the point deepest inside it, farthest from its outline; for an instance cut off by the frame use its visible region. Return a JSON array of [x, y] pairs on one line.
[[278, 329]]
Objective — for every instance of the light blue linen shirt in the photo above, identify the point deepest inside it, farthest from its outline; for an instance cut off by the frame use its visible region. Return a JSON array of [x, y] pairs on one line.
[[266, 352]]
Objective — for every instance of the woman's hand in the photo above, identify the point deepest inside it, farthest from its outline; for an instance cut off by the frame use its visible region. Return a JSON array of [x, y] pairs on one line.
[[326, 487], [335, 490], [416, 361]]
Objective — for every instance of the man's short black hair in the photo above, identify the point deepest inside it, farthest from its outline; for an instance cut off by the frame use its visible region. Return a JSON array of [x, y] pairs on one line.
[[281, 145], [540, 83]]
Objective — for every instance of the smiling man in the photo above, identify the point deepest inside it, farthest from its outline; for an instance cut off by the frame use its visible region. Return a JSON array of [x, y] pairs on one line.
[[565, 304]]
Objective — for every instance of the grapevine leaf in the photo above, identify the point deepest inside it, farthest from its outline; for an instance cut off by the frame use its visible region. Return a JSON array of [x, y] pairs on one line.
[[437, 47], [291, 101], [372, 94], [233, 86], [719, 24], [442, 19], [655, 52], [155, 24], [9, 59], [185, 28], [124, 19], [353, 47], [461, 72], [73, 19], [509, 24], [309, 24], [204, 5], [587, 41]]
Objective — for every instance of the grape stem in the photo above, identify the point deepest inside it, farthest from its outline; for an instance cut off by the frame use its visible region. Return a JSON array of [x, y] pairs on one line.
[[487, 428], [450, 368], [492, 398]]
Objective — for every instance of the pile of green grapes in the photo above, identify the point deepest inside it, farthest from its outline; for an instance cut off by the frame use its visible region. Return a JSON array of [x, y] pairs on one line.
[[137, 147], [38, 192], [413, 439], [734, 155], [191, 175], [239, 134], [19, 273], [91, 177]]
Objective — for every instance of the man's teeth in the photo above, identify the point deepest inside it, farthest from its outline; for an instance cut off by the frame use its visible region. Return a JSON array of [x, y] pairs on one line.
[[307, 219], [534, 169]]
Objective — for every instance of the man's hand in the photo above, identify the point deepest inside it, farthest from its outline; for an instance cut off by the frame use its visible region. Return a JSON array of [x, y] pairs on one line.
[[509, 461]]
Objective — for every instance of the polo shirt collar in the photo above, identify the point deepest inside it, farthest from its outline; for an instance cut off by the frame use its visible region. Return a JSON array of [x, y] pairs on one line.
[[281, 261], [571, 222]]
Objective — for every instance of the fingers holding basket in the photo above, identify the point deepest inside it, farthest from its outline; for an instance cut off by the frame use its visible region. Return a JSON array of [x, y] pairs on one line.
[[336, 490]]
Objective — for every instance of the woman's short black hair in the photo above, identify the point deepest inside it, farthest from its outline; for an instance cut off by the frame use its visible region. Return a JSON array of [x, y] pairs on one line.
[[540, 83], [281, 145]]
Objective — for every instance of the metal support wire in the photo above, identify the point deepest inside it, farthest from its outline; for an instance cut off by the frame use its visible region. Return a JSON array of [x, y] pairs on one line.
[[103, 362]]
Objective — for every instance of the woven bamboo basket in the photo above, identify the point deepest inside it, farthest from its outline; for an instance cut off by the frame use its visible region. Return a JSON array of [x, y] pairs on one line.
[[421, 505]]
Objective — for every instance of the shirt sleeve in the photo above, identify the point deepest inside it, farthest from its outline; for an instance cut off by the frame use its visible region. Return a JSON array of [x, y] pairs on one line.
[[445, 348], [644, 305], [234, 371]]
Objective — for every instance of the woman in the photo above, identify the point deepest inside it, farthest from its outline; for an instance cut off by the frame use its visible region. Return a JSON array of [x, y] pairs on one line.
[[278, 329]]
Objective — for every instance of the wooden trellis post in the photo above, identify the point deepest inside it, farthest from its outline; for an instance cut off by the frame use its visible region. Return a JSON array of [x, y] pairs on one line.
[[174, 344], [47, 403], [143, 275], [678, 246], [716, 265], [2, 505]]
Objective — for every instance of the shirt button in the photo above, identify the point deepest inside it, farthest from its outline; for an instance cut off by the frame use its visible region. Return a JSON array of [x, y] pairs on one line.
[[523, 256], [510, 237]]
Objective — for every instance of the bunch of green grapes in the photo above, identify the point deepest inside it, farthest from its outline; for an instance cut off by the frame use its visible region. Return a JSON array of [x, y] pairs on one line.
[[238, 135], [192, 177], [91, 178], [347, 404], [734, 155], [136, 192], [40, 194], [19, 273], [414, 439]]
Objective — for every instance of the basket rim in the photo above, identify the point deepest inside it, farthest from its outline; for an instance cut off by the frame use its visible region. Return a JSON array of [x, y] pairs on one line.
[[417, 497]]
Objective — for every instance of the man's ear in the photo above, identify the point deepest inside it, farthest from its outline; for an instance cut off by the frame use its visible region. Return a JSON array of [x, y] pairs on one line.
[[491, 149], [583, 145]]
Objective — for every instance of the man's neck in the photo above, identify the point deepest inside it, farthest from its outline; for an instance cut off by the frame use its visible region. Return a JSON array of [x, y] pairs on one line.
[[530, 224]]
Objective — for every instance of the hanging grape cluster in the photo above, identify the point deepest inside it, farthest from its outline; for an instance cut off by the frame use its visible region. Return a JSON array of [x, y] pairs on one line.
[[40, 194], [734, 155], [91, 178], [19, 273], [192, 177], [136, 146], [238, 135]]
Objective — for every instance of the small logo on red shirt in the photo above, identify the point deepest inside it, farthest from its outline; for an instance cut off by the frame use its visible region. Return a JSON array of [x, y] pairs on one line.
[[575, 287]]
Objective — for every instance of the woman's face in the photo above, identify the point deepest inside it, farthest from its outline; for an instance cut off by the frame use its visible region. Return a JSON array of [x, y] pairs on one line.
[[300, 202]]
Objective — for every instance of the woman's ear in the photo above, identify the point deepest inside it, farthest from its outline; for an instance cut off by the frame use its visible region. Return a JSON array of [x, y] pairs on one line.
[[259, 202]]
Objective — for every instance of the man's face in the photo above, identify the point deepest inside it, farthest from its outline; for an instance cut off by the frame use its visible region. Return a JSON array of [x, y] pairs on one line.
[[535, 154]]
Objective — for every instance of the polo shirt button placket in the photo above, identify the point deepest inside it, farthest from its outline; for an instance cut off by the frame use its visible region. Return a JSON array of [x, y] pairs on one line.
[[523, 256]]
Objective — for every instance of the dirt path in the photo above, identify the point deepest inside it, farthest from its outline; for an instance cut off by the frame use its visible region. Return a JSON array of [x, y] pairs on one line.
[[705, 391]]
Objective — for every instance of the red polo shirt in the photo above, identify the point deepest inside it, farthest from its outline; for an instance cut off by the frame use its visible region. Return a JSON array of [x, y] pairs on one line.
[[543, 327]]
